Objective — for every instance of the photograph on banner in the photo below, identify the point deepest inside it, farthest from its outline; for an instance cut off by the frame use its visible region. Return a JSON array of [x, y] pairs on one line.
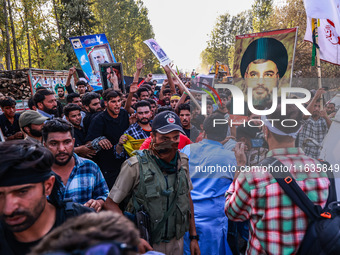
[[91, 51], [106, 69], [158, 52], [264, 61]]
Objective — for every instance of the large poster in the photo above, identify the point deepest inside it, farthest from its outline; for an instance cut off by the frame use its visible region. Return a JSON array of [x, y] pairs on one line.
[[158, 52], [91, 51], [264, 61]]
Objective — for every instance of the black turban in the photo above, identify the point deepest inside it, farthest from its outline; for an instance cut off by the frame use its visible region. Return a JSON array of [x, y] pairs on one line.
[[266, 48]]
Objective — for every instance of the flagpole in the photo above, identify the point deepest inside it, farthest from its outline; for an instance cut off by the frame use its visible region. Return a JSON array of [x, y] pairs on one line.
[[318, 64], [185, 88]]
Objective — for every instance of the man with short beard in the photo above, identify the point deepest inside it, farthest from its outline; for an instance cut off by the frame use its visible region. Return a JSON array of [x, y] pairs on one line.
[[141, 129], [82, 179], [104, 133], [46, 103], [73, 115], [315, 127], [91, 103], [185, 116], [26, 180], [31, 123], [158, 181]]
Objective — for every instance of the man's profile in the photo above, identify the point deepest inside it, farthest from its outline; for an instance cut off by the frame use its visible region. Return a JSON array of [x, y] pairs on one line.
[[263, 64]]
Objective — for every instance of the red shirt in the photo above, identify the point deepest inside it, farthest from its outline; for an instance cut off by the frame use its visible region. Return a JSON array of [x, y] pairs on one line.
[[183, 141]]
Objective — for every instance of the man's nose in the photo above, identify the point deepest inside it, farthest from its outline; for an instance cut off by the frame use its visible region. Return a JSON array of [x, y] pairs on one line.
[[10, 205], [61, 147]]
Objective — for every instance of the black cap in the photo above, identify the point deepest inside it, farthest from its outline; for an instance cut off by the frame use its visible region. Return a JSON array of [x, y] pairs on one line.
[[166, 122], [266, 48]]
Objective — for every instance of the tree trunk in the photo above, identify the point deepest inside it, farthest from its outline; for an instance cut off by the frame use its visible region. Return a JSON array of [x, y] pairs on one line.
[[8, 48], [13, 35], [57, 20]]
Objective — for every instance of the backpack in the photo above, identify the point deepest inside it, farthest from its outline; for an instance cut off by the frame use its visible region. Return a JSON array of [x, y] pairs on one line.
[[322, 236]]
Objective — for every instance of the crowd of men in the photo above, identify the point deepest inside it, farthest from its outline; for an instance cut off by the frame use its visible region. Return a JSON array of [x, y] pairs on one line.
[[72, 154]]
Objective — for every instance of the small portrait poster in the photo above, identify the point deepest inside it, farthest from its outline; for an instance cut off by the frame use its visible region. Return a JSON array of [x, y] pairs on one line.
[[91, 51], [158, 52], [264, 61]]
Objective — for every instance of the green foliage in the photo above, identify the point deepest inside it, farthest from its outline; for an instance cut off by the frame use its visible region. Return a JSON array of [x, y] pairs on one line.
[[222, 38], [44, 26], [262, 10]]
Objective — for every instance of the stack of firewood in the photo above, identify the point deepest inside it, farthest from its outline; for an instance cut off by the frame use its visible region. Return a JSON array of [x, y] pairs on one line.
[[15, 84]]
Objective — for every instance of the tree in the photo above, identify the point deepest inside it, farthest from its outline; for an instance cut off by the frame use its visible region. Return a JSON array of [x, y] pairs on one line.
[[222, 38], [262, 10], [14, 40], [126, 26], [8, 48]]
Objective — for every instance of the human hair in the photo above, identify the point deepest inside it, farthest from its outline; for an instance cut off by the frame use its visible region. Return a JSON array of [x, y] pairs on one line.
[[81, 83], [142, 103], [165, 108], [294, 115], [331, 103], [135, 96], [70, 97], [88, 230], [61, 87], [7, 101], [183, 107], [209, 102], [57, 125], [71, 107], [40, 96], [223, 95], [88, 97], [40, 88], [110, 93], [30, 102], [215, 132], [140, 90], [151, 101], [146, 85], [166, 91]]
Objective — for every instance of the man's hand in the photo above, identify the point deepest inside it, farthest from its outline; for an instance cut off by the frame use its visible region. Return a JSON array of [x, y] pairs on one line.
[[165, 82], [89, 88], [132, 119], [144, 246], [84, 151], [323, 113], [139, 64], [240, 154], [113, 78], [123, 139], [194, 248], [71, 71], [148, 77], [320, 92], [105, 144], [95, 204], [133, 88]]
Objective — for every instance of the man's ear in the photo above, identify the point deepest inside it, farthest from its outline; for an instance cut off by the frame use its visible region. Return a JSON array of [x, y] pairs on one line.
[[40, 105], [48, 184], [105, 103], [26, 129]]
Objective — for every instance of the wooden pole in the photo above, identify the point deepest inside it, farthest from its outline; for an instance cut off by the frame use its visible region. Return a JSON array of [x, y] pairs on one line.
[[318, 64], [185, 89]]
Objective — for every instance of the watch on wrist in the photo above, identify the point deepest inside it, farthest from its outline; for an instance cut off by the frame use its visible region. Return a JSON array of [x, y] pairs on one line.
[[197, 237]]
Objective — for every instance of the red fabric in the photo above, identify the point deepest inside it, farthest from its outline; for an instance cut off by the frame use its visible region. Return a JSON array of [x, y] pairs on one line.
[[183, 141]]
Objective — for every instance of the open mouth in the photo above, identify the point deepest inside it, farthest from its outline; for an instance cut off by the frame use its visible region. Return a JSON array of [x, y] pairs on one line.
[[16, 220]]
